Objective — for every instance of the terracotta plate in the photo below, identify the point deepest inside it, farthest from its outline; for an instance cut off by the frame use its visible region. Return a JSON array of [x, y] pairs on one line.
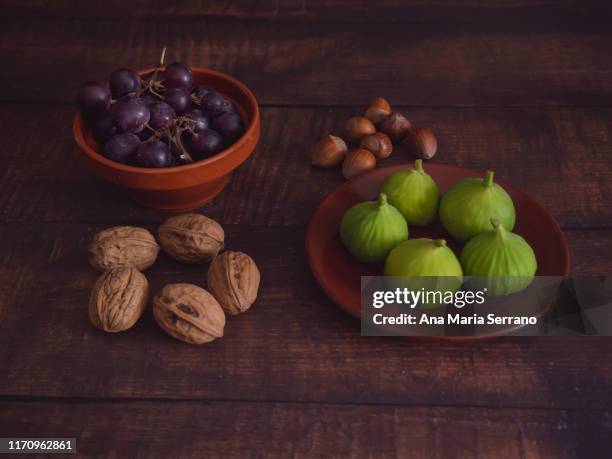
[[339, 274]]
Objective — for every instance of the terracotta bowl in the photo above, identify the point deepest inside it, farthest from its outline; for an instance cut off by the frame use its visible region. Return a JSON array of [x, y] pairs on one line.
[[188, 186]]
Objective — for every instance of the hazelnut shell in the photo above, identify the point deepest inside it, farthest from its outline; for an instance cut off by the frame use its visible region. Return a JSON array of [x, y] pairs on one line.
[[396, 126], [421, 143], [328, 152], [358, 127], [357, 162], [377, 110], [378, 144]]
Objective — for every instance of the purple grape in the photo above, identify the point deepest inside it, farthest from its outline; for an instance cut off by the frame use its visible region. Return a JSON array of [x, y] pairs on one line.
[[229, 125], [93, 99], [213, 104], [178, 99], [153, 153], [103, 129], [121, 148], [227, 106], [178, 75], [201, 121], [130, 114], [204, 143], [162, 115], [123, 81], [149, 98], [201, 91], [145, 134]]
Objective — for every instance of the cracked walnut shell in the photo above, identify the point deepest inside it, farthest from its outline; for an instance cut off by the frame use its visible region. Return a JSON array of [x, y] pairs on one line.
[[123, 246], [118, 299], [191, 238], [188, 313], [233, 279]]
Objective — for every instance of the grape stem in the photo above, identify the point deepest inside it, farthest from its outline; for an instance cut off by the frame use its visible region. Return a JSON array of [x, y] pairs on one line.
[[180, 128], [154, 85], [161, 58], [155, 132]]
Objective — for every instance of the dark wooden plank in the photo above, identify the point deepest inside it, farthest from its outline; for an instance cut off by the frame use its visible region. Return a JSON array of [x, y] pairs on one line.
[[228, 430], [320, 10], [293, 345], [481, 64], [560, 156]]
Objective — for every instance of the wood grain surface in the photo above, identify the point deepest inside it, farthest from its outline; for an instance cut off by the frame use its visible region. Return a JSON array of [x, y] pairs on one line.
[[282, 430], [520, 87], [433, 64]]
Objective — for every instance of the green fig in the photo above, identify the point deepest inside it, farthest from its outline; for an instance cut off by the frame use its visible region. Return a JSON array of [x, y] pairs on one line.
[[426, 264], [369, 230], [414, 193], [467, 207], [504, 261]]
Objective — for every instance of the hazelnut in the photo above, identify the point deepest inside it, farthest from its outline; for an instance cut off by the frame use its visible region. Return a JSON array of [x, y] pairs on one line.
[[357, 162], [358, 127], [421, 142], [328, 152], [396, 126], [118, 299], [233, 279], [378, 144], [377, 110]]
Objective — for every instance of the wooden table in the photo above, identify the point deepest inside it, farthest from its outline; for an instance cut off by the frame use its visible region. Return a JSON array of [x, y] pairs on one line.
[[522, 87]]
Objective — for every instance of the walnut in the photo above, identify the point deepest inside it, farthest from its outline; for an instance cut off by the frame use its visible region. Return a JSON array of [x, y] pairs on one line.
[[123, 246], [191, 238], [118, 299], [188, 313], [233, 279]]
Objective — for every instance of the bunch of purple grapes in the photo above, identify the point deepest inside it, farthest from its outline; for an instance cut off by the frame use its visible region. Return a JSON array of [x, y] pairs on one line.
[[159, 120]]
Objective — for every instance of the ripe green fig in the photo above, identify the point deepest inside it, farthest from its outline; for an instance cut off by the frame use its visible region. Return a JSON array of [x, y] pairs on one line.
[[425, 264], [414, 193], [369, 230], [467, 207], [504, 261]]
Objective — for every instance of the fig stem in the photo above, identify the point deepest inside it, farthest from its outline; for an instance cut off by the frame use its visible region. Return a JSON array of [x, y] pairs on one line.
[[498, 227], [418, 165], [488, 180], [382, 200], [439, 242]]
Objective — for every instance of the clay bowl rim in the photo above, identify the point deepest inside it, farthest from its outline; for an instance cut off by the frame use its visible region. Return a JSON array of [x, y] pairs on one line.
[[93, 154]]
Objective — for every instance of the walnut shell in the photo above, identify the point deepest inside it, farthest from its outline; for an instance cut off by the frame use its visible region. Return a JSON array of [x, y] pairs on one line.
[[191, 238], [123, 246], [118, 299], [188, 313], [233, 279]]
